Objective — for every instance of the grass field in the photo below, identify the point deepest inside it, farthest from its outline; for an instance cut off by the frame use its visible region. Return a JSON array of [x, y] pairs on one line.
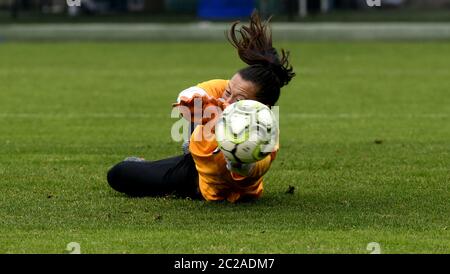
[[365, 141]]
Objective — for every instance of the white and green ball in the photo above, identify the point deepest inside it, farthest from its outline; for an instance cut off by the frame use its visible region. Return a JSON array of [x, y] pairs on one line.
[[247, 131]]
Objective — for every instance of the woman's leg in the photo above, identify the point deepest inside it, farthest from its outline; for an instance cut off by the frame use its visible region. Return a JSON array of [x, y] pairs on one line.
[[176, 175]]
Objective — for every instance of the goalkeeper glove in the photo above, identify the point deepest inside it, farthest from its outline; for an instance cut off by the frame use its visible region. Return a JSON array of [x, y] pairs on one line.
[[239, 168], [193, 108]]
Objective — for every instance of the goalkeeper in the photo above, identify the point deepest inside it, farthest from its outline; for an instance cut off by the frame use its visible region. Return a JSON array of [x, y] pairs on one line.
[[203, 171]]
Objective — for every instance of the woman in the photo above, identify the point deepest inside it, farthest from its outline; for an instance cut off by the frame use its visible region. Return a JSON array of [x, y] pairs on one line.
[[203, 171]]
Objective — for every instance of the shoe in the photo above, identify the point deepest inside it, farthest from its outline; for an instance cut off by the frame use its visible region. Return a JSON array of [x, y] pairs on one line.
[[134, 159]]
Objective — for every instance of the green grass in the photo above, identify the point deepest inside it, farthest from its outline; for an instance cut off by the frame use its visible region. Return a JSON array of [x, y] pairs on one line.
[[69, 111]]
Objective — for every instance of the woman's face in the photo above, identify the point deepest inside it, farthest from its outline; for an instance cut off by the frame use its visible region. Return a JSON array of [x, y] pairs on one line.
[[239, 89]]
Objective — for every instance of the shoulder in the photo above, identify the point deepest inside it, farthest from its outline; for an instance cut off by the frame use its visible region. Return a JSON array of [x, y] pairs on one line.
[[214, 83], [214, 87]]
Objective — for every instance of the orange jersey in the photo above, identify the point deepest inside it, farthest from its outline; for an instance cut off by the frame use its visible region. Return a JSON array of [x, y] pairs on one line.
[[216, 182]]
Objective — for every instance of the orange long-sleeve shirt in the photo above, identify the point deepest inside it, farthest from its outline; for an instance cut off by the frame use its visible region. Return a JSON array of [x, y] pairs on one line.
[[216, 182]]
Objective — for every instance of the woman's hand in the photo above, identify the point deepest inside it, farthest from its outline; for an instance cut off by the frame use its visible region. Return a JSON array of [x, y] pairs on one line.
[[199, 108], [239, 168]]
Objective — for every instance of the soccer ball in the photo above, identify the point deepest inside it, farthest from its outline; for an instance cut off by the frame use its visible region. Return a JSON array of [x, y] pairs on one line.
[[247, 131]]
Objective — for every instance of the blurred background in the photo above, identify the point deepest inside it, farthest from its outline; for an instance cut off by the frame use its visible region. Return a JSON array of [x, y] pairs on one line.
[[221, 10], [75, 20]]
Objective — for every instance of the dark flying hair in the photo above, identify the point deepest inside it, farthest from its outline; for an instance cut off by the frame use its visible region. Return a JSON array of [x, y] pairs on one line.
[[266, 68]]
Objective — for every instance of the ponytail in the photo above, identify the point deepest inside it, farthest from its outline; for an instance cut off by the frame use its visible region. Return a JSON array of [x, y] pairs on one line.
[[265, 68]]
